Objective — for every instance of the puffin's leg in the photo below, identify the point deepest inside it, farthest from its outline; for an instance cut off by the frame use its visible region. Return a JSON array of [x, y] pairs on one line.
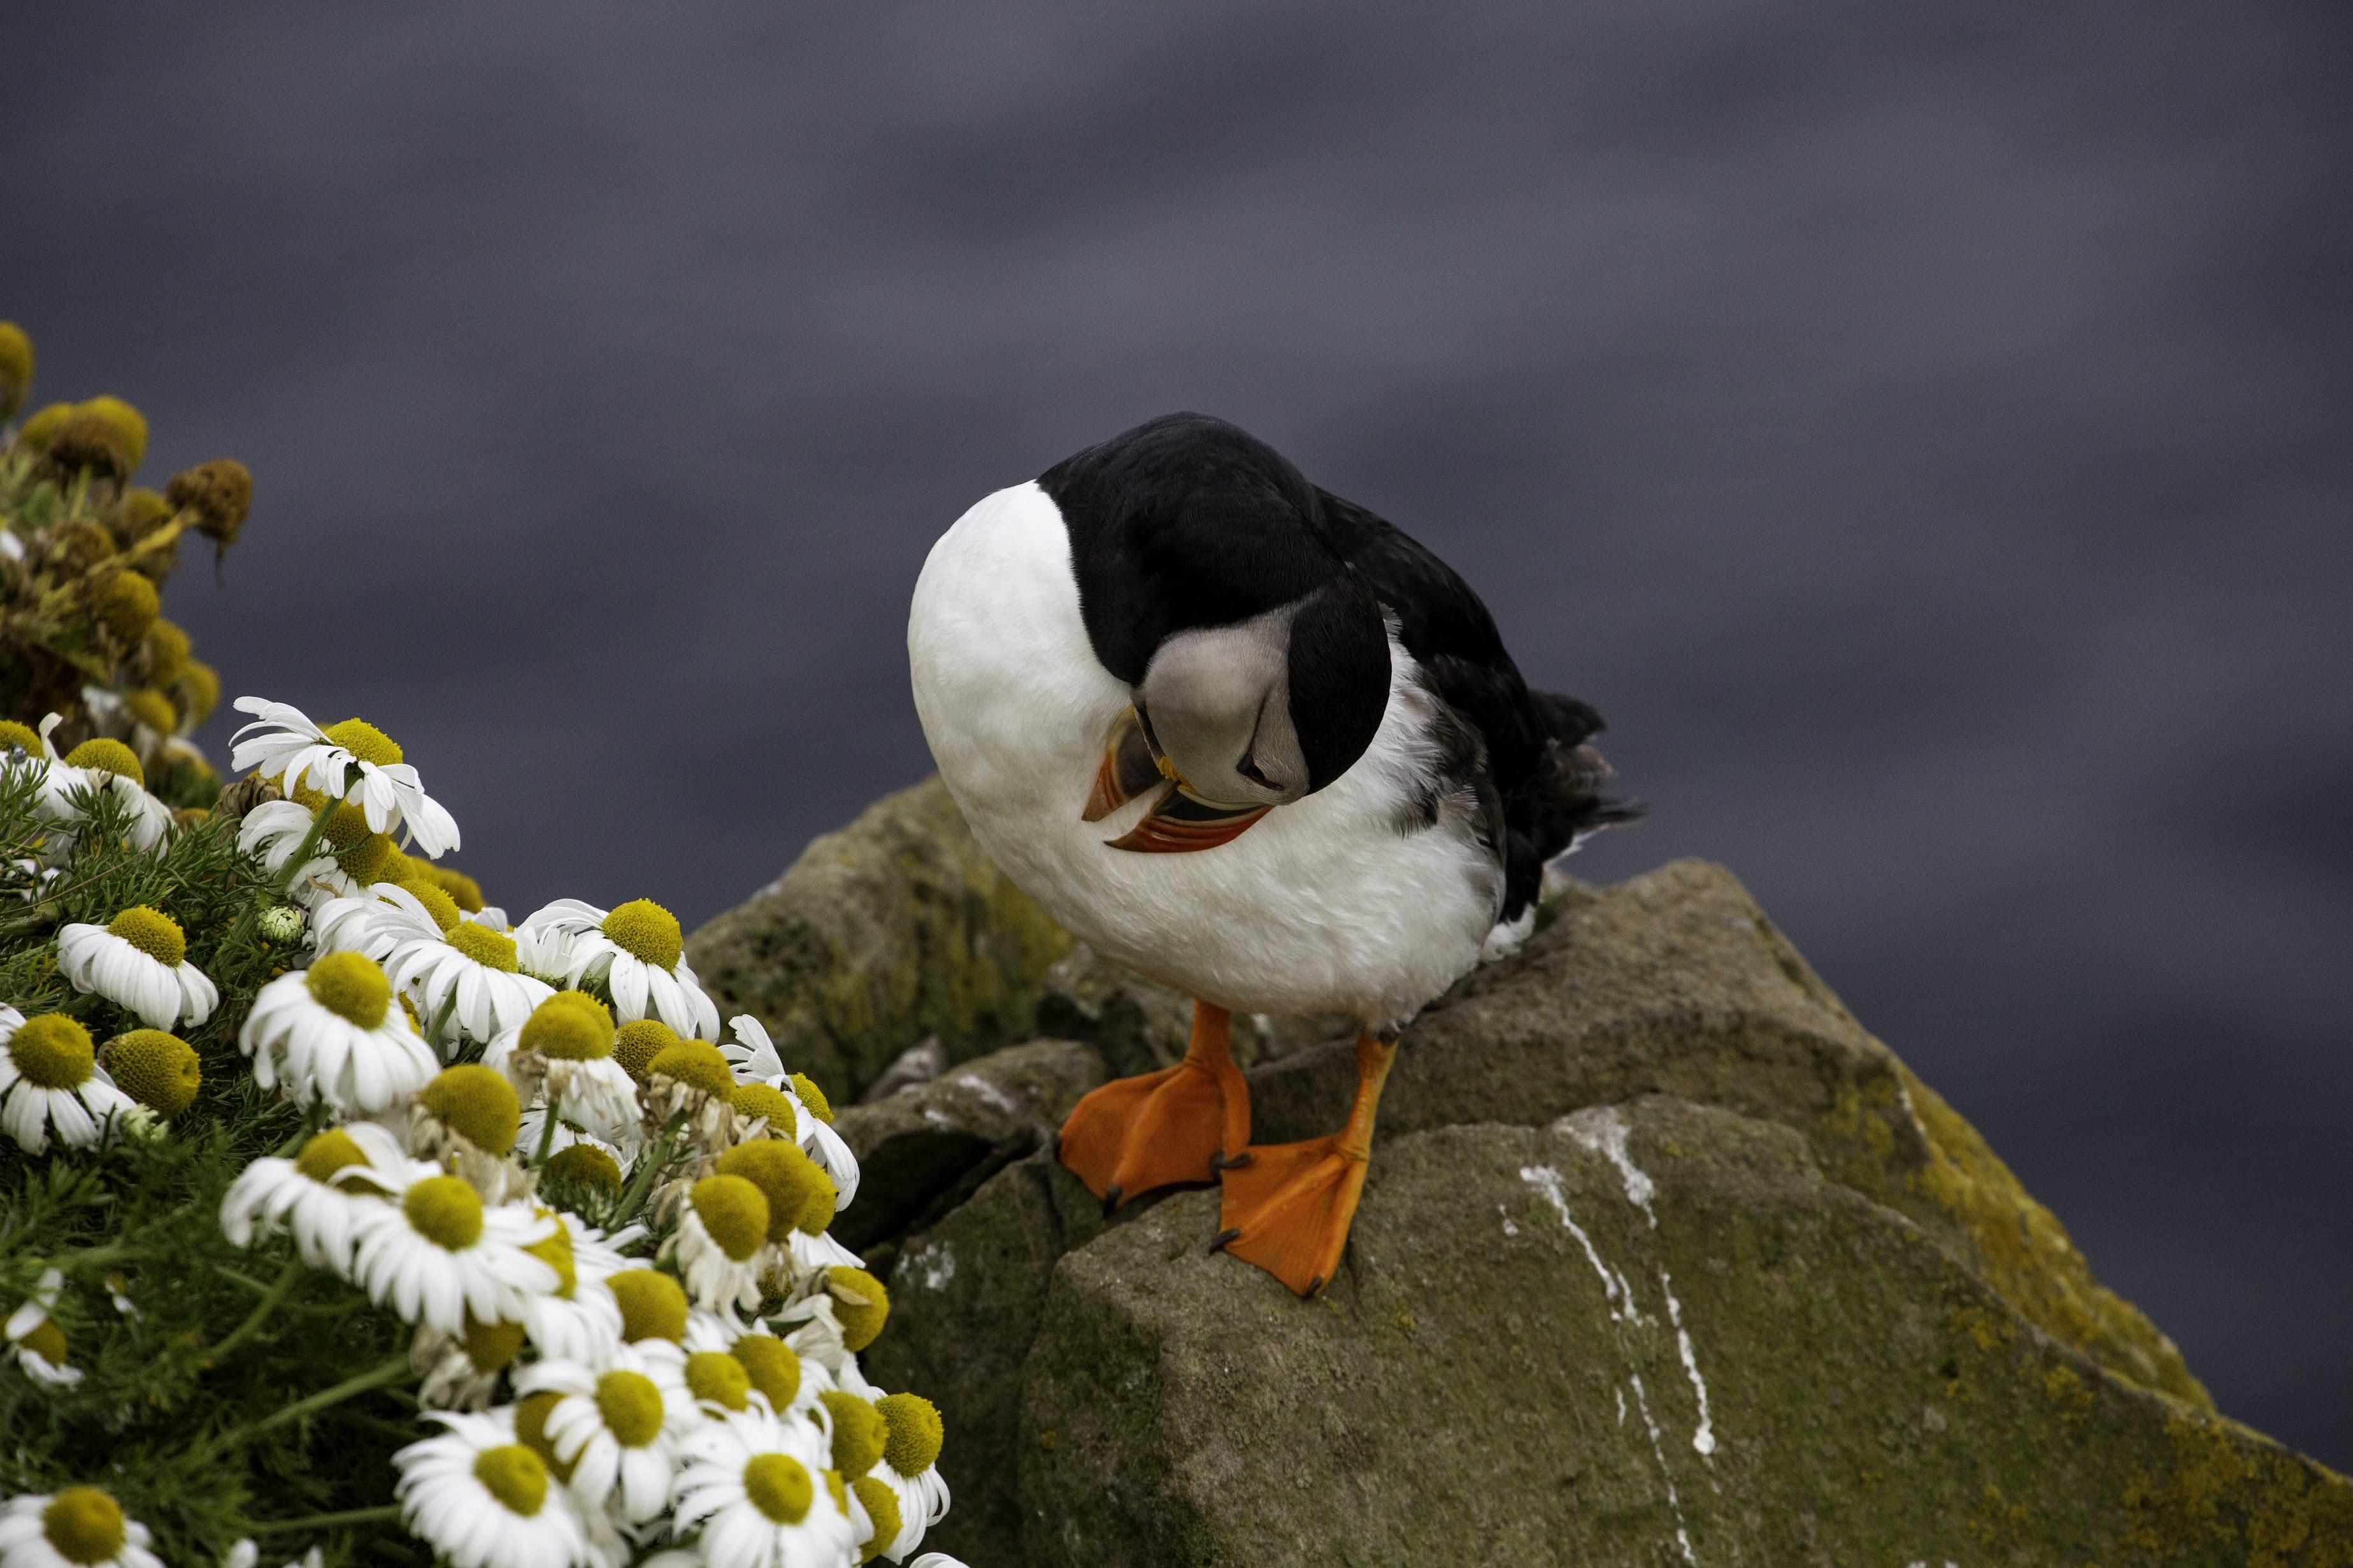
[[1176, 1125], [1288, 1207]]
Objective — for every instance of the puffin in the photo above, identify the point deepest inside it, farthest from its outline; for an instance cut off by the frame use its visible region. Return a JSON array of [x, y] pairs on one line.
[[1258, 744]]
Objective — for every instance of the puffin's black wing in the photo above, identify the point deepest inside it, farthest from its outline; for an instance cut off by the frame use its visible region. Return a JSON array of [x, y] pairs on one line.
[[1548, 777]]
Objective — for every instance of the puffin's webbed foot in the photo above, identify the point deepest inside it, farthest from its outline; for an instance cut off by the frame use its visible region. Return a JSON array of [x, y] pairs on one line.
[[1288, 1210], [1183, 1124]]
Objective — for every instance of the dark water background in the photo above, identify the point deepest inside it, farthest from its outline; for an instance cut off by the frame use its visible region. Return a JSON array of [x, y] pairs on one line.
[[1922, 429]]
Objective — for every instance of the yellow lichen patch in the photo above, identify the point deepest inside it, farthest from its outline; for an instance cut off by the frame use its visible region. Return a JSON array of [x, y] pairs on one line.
[[153, 933], [2068, 1392], [1989, 1328], [1997, 1519], [2025, 1254], [859, 1433], [638, 1042], [882, 1510], [159, 1071], [108, 756], [128, 604], [477, 1102], [646, 931], [695, 1062], [586, 1165], [2230, 1495], [653, 1306]]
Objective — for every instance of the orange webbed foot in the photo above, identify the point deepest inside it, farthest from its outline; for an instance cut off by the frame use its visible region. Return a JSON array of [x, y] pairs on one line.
[[1164, 1128], [1288, 1207]]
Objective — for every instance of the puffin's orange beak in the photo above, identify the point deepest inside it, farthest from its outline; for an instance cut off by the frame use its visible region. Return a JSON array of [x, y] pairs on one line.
[[1178, 823]]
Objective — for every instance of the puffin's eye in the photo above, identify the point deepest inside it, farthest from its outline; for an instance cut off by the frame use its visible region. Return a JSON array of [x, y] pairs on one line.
[[1248, 768]]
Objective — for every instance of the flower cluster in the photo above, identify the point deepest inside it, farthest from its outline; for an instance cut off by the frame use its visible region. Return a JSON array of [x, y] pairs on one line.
[[599, 1220]]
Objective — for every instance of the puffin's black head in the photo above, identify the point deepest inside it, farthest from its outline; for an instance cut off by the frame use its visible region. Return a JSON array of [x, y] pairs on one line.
[[1258, 659]]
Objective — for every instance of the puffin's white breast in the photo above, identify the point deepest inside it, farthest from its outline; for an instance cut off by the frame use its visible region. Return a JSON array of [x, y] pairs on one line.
[[1324, 905]]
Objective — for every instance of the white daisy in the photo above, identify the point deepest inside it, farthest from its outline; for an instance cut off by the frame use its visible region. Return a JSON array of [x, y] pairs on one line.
[[579, 1320], [617, 1423], [755, 1060], [721, 1241], [80, 1527], [639, 953], [330, 1032], [910, 1468], [139, 961], [435, 1254], [466, 968], [319, 1195], [35, 1343], [484, 1500], [755, 1484], [565, 1044], [50, 1082], [71, 785], [271, 832], [774, 1371], [285, 745]]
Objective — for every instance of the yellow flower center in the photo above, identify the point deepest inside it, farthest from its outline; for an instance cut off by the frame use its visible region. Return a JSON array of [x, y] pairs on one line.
[[159, 1071], [128, 604], [555, 1251], [479, 1103], [108, 756], [779, 1487], [367, 861], [84, 1524], [560, 1029], [857, 1432], [153, 933], [837, 1489], [444, 1211], [719, 1378], [694, 1062], [639, 1042], [352, 986], [531, 1430], [916, 1433], [758, 1099], [653, 1306], [200, 683], [644, 930], [882, 1509], [152, 709], [53, 1051], [735, 1212], [439, 905], [167, 653], [860, 1304], [365, 742], [631, 1407], [490, 949], [797, 1191], [813, 1096], [774, 1368], [513, 1475], [47, 1340], [586, 1165], [24, 740], [491, 1346], [332, 1151]]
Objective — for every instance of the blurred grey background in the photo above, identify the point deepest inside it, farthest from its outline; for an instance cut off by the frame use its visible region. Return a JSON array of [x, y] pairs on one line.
[[1921, 430]]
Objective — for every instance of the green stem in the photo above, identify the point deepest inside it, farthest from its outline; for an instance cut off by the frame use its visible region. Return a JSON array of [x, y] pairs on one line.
[[656, 1161], [301, 856], [388, 1514], [278, 1292], [546, 1132], [312, 1119], [441, 1020], [392, 1371]]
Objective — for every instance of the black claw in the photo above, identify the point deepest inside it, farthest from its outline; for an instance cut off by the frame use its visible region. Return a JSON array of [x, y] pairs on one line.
[[1218, 1242], [1112, 1198], [1315, 1285], [1221, 1160]]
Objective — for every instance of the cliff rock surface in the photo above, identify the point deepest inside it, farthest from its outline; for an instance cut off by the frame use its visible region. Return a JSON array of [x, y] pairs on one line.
[[1662, 1258]]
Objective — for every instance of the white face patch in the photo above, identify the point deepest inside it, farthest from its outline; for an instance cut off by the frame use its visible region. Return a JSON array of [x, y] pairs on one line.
[[1217, 701]]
